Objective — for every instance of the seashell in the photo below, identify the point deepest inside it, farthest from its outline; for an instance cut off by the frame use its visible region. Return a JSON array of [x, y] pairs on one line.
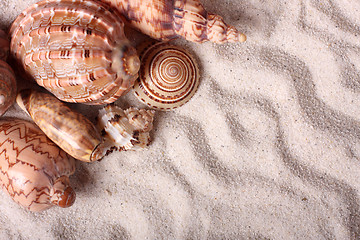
[[125, 130], [168, 19], [33, 170], [7, 87], [76, 49], [4, 45], [169, 77], [70, 130]]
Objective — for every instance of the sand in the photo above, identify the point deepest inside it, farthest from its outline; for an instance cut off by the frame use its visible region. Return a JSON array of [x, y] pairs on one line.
[[268, 148]]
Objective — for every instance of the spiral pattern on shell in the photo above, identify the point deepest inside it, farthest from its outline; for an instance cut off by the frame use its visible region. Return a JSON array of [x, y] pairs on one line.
[[169, 76]]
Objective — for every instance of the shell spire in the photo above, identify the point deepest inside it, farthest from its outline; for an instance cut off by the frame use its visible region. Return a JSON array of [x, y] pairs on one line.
[[165, 20]]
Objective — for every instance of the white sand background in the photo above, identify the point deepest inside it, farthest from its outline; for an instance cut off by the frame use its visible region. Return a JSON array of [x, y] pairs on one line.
[[269, 147]]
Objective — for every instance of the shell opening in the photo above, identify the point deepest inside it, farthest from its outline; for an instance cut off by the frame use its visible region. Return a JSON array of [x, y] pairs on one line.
[[62, 194]]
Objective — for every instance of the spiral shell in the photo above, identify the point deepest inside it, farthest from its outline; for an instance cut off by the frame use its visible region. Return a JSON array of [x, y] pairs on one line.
[[125, 130], [7, 87], [4, 45], [168, 19], [33, 170], [76, 49], [70, 130], [169, 77]]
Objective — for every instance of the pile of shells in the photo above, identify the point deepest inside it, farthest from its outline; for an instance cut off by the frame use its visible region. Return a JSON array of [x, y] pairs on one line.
[[77, 51]]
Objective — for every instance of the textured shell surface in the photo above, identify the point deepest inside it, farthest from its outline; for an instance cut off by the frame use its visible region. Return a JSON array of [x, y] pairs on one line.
[[8, 87], [70, 130], [76, 49], [4, 45], [33, 170], [169, 76], [125, 129], [168, 19]]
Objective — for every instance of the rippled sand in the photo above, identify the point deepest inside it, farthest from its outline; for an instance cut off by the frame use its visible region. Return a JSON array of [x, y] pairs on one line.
[[269, 147]]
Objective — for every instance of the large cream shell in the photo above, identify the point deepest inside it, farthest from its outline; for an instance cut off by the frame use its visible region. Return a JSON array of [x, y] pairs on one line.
[[169, 76], [76, 49], [8, 87], [70, 130], [33, 170]]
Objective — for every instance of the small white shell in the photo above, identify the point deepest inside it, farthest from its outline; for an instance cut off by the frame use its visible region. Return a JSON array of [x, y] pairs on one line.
[[169, 77], [124, 130]]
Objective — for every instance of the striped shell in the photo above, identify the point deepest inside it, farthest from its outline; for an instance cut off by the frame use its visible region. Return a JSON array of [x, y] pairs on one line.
[[125, 130], [7, 87], [70, 130], [169, 76], [76, 49], [168, 19], [33, 170], [4, 45]]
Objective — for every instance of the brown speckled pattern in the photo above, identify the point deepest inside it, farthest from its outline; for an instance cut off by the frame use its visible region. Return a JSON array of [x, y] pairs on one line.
[[169, 76], [75, 49], [33, 170], [8, 87], [70, 130], [167, 19]]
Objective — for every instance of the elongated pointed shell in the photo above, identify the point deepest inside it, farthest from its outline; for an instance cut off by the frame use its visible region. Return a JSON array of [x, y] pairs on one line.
[[7, 87], [169, 77], [125, 130], [76, 49], [33, 170], [165, 20], [4, 45], [70, 130]]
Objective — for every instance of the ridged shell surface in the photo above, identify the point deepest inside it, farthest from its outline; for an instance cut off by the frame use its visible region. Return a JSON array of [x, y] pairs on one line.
[[70, 130], [33, 170], [8, 87], [76, 49], [125, 129], [168, 19], [4, 45], [169, 76]]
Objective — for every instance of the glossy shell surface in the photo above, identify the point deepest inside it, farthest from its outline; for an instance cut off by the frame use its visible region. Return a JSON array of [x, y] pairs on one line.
[[76, 49], [4, 45], [7, 87], [165, 20], [70, 130], [125, 129], [33, 170], [169, 76]]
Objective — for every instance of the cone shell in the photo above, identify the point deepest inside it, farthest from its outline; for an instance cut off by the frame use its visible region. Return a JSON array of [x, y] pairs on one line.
[[169, 76], [7, 87], [125, 130], [33, 170], [76, 49], [165, 20], [70, 130], [4, 45]]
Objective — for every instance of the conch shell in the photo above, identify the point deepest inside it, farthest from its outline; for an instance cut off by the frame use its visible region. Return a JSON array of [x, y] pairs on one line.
[[7, 87], [167, 19], [33, 170], [70, 130], [125, 130], [76, 49]]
